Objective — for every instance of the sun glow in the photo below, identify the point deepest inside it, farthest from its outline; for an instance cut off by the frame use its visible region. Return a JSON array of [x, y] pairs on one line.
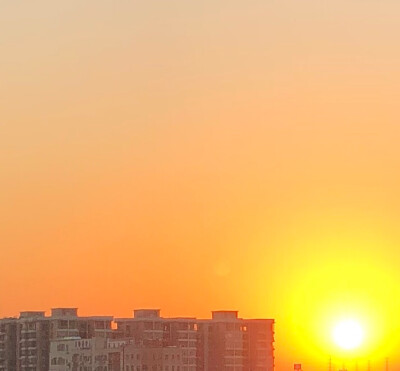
[[348, 334]]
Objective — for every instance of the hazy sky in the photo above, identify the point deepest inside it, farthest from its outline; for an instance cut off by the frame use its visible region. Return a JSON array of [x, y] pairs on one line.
[[201, 155]]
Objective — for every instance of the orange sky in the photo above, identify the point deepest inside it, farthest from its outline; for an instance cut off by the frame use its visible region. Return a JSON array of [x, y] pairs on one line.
[[201, 155]]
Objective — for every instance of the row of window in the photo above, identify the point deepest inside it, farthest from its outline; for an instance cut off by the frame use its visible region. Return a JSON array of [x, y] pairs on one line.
[[157, 325], [139, 356], [154, 368]]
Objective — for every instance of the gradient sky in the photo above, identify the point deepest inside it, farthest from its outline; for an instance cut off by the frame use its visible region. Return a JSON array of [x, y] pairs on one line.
[[201, 155]]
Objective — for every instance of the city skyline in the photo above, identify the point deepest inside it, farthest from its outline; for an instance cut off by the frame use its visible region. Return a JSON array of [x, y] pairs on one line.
[[65, 341]]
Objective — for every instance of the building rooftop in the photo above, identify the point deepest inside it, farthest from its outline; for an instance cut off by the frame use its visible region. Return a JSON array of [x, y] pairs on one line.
[[32, 314]]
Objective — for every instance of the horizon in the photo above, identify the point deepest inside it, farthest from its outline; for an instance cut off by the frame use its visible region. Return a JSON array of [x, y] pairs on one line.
[[331, 363]]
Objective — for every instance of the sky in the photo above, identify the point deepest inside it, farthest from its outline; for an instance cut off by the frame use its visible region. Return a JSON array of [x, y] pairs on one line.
[[203, 155]]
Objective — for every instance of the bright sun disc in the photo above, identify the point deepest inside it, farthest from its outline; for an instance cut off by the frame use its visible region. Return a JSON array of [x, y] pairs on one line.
[[348, 334]]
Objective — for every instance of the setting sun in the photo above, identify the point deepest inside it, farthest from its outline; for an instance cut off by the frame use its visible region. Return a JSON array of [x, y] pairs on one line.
[[348, 334]]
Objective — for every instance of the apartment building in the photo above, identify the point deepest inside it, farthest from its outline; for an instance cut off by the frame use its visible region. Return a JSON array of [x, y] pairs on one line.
[[145, 342], [25, 341], [148, 327], [65, 322], [112, 355], [33, 335], [152, 358], [76, 354], [227, 342], [8, 344]]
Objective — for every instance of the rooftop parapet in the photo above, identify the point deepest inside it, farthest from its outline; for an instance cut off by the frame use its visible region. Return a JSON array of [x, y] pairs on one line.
[[224, 315], [146, 313], [64, 312], [32, 314]]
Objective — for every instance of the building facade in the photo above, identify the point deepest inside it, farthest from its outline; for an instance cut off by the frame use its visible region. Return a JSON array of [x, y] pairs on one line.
[[25, 341], [148, 327], [78, 354], [227, 342], [101, 354], [146, 342], [8, 344]]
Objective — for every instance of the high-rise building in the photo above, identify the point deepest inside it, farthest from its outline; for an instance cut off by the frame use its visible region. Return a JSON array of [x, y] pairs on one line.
[[152, 358], [224, 342], [65, 322], [75, 354], [34, 331], [33, 340], [148, 327], [227, 342], [146, 342], [8, 344], [112, 355]]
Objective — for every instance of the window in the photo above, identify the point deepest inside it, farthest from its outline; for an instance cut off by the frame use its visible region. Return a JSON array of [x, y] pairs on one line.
[[63, 324], [60, 347]]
